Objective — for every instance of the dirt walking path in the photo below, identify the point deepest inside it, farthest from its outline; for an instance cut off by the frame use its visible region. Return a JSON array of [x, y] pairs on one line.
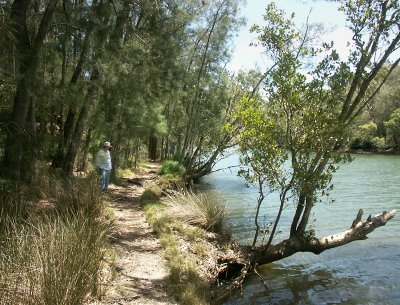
[[139, 263]]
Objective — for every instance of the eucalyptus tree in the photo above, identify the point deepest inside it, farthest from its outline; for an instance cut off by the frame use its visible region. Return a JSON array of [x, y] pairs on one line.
[[289, 139]]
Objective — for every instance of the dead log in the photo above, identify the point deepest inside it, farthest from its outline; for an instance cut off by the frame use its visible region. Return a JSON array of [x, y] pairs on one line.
[[136, 181]]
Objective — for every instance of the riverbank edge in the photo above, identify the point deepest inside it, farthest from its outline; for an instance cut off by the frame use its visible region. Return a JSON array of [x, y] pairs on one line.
[[196, 259], [374, 151]]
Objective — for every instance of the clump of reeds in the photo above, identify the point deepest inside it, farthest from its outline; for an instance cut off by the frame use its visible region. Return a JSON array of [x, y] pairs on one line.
[[199, 209], [54, 256]]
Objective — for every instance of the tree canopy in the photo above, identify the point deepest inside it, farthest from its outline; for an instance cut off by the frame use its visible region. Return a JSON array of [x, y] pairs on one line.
[[133, 72]]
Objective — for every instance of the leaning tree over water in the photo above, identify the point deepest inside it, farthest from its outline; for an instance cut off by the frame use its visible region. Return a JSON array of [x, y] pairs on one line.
[[289, 139]]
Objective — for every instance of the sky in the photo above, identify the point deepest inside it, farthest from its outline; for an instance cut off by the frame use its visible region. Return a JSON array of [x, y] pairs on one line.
[[248, 57]]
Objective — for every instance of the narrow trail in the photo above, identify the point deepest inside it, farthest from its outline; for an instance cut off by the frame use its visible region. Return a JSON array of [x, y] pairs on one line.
[[139, 263]]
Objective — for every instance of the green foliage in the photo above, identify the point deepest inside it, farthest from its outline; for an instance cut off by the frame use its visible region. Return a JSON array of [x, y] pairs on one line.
[[379, 143], [288, 141], [171, 169], [149, 196], [259, 141], [393, 126], [364, 136]]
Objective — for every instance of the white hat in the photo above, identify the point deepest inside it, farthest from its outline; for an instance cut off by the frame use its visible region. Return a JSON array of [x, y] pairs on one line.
[[107, 144]]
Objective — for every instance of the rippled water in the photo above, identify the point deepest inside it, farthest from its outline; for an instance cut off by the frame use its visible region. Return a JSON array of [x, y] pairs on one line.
[[362, 272]]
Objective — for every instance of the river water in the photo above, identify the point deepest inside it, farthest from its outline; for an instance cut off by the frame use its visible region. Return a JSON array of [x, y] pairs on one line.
[[360, 273]]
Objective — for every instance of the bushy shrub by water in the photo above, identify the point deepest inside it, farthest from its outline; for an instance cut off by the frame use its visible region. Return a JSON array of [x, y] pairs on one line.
[[171, 169]]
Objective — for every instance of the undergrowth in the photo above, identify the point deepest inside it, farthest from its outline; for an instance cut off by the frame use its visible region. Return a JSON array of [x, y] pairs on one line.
[[171, 169], [199, 209], [52, 249]]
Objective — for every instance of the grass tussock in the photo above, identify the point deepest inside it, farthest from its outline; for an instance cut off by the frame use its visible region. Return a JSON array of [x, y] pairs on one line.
[[125, 173], [56, 255], [149, 195], [204, 209]]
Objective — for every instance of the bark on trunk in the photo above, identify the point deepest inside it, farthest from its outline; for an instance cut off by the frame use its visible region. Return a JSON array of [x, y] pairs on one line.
[[72, 152], [27, 54], [153, 148], [84, 163]]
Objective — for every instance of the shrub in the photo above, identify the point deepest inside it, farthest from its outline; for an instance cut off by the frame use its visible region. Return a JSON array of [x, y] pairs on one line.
[[171, 169], [379, 142], [149, 196]]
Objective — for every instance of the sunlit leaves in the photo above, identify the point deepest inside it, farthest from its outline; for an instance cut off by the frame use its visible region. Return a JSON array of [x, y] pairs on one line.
[[255, 130], [393, 126]]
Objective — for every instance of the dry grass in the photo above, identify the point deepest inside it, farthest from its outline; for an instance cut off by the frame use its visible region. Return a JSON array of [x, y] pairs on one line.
[[203, 210], [53, 254]]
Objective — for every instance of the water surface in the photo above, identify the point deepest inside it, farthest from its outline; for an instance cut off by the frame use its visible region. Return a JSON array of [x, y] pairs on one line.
[[362, 272]]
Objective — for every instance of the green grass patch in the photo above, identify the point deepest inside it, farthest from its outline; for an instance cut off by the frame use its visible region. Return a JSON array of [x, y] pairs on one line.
[[195, 233], [149, 196], [199, 249], [125, 173], [183, 281]]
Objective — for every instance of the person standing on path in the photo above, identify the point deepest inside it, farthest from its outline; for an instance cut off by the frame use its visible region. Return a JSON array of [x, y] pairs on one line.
[[103, 163]]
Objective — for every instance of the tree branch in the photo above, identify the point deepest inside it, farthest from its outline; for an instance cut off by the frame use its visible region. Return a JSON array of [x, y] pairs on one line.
[[358, 231]]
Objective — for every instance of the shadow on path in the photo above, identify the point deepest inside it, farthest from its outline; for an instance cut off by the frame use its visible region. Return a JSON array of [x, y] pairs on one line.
[[139, 263]]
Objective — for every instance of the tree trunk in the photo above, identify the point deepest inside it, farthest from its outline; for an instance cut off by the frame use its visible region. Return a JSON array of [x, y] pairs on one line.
[[196, 99], [84, 162], [153, 147], [33, 162], [69, 125], [27, 58], [72, 152]]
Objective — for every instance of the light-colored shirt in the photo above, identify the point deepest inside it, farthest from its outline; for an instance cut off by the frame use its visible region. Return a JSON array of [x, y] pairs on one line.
[[103, 159]]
